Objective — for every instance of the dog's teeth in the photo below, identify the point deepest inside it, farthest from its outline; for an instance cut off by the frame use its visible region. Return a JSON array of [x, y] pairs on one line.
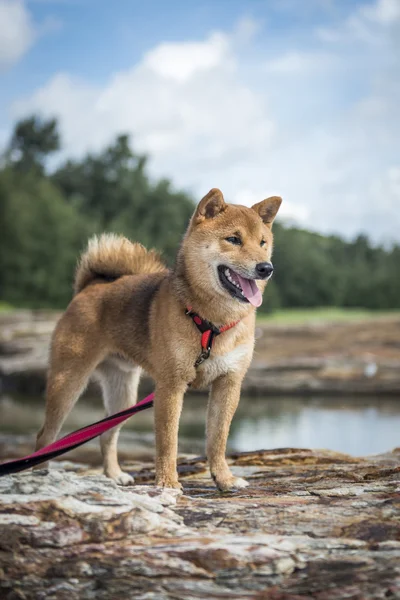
[[228, 275]]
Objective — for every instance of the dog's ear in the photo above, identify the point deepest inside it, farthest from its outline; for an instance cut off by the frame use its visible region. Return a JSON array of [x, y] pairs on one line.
[[267, 209], [210, 206]]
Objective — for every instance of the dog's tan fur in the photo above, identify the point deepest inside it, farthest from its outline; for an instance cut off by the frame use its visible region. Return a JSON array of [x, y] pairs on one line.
[[128, 314]]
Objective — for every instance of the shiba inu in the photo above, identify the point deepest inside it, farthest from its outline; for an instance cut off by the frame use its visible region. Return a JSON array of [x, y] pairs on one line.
[[131, 313]]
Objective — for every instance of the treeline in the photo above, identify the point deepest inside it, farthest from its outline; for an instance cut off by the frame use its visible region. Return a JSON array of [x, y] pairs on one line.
[[47, 215], [315, 270]]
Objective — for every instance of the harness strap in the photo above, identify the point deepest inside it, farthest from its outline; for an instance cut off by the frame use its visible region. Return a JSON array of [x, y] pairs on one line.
[[208, 332]]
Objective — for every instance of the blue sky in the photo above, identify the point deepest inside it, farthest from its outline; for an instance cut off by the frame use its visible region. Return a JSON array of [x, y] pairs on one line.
[[255, 97]]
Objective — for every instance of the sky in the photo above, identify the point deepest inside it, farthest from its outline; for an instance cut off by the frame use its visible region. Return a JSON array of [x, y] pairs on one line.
[[257, 97]]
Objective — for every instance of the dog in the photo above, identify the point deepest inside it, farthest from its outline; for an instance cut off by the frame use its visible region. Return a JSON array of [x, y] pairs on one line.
[[130, 313]]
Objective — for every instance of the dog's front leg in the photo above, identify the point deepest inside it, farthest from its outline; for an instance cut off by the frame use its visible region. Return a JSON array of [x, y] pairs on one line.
[[224, 398], [167, 408]]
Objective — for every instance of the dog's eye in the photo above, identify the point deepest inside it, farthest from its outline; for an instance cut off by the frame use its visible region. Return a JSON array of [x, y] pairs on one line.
[[234, 239], [262, 243]]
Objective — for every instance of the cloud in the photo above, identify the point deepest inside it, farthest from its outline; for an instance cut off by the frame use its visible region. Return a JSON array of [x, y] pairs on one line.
[[182, 61], [368, 23], [384, 12], [183, 103], [297, 62], [316, 123], [17, 32]]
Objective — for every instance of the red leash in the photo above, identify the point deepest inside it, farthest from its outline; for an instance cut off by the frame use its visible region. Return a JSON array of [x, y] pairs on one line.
[[74, 439]]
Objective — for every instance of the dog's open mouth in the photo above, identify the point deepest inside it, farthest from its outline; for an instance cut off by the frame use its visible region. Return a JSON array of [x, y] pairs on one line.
[[239, 287]]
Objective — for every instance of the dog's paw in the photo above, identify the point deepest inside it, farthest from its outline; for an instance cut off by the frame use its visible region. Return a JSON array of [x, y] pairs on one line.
[[124, 479], [231, 484], [168, 483]]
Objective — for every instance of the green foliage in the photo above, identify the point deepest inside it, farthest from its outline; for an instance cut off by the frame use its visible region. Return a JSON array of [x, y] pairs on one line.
[[47, 218], [41, 237], [113, 189], [163, 225], [305, 273], [32, 141], [313, 270]]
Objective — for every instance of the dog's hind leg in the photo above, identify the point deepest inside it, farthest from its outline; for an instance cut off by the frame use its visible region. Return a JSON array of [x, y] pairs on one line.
[[119, 392], [68, 377]]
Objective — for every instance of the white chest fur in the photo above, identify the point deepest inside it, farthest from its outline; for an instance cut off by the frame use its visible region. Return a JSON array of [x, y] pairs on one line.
[[216, 365]]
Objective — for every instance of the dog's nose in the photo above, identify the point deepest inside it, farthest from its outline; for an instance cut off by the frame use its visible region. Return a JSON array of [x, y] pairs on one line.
[[264, 270]]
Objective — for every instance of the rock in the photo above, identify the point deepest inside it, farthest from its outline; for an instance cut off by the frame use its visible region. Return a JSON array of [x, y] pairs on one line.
[[312, 524]]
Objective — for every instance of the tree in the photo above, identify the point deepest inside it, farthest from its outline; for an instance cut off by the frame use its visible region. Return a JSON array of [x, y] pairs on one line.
[[32, 142], [305, 273], [113, 189], [42, 236], [104, 184]]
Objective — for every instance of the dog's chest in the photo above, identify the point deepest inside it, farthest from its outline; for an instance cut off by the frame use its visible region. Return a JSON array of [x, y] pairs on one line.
[[217, 365]]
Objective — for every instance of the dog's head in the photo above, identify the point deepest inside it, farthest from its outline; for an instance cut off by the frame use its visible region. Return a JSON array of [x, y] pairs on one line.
[[229, 247]]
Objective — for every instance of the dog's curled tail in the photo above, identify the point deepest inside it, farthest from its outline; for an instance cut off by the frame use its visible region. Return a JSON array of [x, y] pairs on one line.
[[110, 256]]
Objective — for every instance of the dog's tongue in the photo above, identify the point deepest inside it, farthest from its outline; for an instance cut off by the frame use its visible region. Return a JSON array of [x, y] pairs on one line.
[[250, 290]]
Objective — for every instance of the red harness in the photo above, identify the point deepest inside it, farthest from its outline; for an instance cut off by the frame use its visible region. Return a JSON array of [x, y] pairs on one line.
[[208, 332], [80, 436]]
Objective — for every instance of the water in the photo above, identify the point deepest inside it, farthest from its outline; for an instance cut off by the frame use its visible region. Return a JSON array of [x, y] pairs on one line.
[[358, 426], [354, 426]]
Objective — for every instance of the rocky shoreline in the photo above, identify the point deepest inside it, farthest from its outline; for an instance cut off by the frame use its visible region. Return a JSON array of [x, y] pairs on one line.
[[360, 357], [312, 524]]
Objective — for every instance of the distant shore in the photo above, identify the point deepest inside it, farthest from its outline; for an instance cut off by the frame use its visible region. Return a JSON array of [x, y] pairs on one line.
[[345, 354]]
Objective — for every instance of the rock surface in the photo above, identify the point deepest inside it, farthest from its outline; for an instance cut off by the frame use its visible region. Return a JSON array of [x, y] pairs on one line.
[[361, 357], [312, 524]]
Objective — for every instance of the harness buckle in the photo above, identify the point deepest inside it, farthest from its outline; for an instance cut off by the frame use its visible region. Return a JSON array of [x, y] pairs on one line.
[[204, 354]]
